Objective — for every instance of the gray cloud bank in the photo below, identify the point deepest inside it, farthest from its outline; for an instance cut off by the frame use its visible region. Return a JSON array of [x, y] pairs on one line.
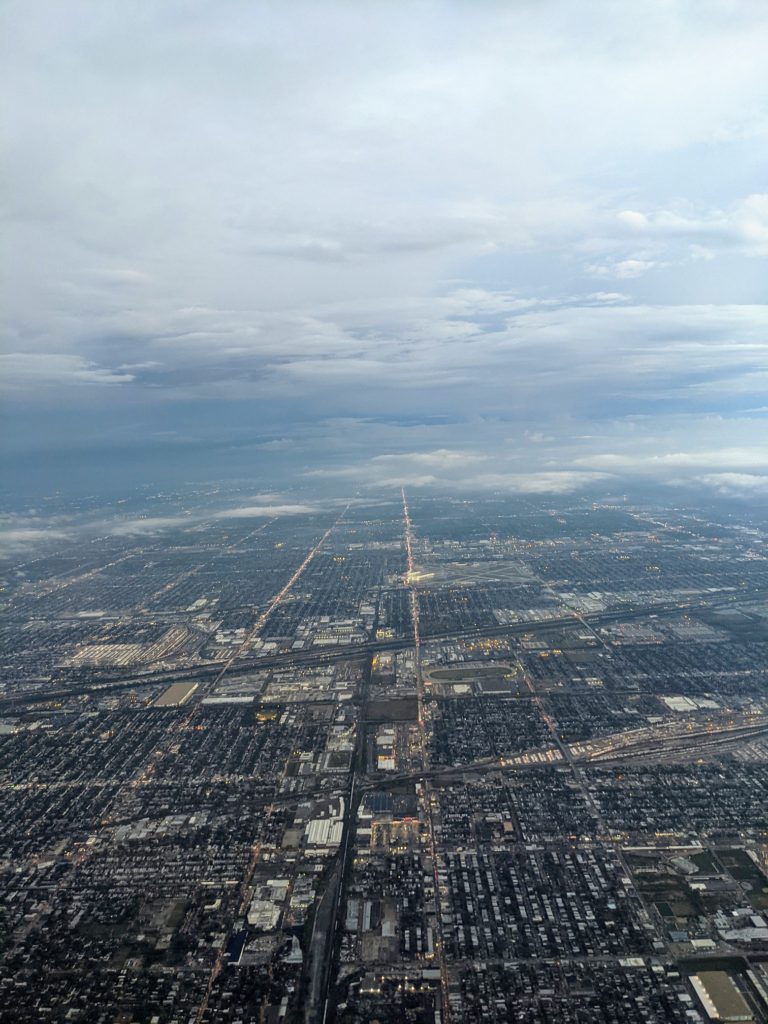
[[530, 237]]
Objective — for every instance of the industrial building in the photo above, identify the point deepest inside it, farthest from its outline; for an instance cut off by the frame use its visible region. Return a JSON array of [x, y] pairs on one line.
[[719, 997]]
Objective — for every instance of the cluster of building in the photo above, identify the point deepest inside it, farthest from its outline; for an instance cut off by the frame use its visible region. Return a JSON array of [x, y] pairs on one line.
[[240, 783]]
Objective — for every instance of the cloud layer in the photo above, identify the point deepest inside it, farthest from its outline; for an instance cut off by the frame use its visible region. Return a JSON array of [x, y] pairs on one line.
[[531, 238]]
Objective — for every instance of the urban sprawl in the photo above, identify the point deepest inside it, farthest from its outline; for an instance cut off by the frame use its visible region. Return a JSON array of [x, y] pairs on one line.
[[417, 759]]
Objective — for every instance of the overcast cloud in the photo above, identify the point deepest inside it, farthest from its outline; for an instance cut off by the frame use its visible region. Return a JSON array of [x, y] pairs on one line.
[[505, 246]]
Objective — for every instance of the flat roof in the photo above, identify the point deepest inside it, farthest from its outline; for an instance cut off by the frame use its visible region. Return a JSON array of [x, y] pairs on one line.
[[176, 694], [720, 997]]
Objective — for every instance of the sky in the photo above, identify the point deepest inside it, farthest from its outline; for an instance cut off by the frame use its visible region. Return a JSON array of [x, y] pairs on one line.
[[517, 247]]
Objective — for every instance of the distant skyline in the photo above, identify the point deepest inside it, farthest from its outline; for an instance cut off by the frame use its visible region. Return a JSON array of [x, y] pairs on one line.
[[507, 247]]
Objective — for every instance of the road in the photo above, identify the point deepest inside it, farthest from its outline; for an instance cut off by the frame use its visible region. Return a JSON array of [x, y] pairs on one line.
[[110, 683], [319, 969], [429, 817], [319, 954]]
